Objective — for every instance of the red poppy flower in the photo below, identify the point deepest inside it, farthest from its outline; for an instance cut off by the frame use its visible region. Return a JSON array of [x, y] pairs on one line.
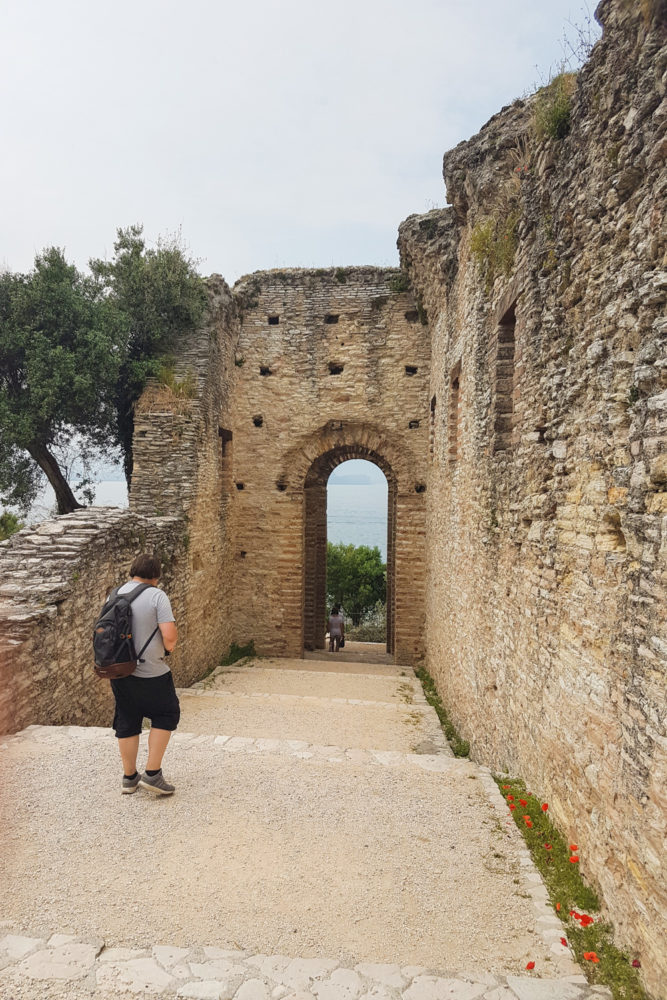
[[574, 859], [558, 906], [590, 956], [573, 913], [545, 806], [506, 786], [530, 965], [563, 941], [636, 964], [512, 807], [529, 822], [573, 847], [523, 802], [510, 798], [549, 847], [585, 920]]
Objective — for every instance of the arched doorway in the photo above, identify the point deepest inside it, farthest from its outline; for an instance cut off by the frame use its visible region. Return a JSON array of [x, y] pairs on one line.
[[315, 540]]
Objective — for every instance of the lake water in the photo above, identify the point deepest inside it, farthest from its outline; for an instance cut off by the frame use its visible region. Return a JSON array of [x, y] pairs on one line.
[[356, 514]]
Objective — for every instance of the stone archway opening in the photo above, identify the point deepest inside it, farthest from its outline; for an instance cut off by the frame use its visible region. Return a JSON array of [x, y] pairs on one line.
[[315, 541]]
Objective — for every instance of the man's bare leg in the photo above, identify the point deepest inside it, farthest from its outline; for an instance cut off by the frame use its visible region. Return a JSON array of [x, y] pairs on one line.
[[129, 748], [157, 744]]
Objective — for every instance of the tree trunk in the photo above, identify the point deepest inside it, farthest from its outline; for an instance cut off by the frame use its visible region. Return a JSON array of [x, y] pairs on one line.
[[65, 499]]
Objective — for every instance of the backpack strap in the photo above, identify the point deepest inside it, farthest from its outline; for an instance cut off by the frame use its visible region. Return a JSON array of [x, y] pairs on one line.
[[146, 644], [139, 589]]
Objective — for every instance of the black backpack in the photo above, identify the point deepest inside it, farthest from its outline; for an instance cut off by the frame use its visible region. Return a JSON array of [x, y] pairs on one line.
[[113, 647]]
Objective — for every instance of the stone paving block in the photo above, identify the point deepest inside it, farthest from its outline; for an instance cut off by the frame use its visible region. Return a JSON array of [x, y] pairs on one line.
[[57, 939], [543, 989], [271, 966], [343, 984], [139, 975], [301, 972], [253, 989], [208, 989], [17, 946], [122, 954], [67, 961], [435, 988], [412, 971], [388, 975], [219, 968], [168, 957], [230, 954], [378, 992], [499, 993]]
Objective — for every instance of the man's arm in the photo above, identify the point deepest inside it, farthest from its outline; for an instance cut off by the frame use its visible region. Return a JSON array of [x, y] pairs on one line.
[[169, 634]]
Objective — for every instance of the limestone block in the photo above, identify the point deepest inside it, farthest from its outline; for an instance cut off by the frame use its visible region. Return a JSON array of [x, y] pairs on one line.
[[435, 988], [66, 961], [138, 975], [543, 989]]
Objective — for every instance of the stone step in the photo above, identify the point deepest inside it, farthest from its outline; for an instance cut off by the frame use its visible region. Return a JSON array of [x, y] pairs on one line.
[[212, 973], [346, 723], [298, 678]]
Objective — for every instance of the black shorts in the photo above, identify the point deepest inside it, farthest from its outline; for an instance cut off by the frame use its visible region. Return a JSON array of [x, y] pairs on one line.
[[139, 698]]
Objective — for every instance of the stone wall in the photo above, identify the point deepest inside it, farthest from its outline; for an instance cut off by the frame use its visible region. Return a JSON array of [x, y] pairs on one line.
[[54, 580], [546, 507], [330, 365]]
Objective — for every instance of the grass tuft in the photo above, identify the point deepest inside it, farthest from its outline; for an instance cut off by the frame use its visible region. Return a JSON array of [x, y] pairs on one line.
[[553, 107], [460, 747]]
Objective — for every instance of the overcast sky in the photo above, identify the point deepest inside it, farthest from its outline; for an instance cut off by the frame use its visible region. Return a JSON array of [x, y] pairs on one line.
[[273, 134]]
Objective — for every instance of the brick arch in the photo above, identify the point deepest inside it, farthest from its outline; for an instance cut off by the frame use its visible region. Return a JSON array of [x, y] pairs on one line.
[[306, 473], [339, 441]]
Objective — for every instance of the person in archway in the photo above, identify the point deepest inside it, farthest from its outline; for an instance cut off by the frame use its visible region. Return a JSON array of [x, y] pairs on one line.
[[336, 629]]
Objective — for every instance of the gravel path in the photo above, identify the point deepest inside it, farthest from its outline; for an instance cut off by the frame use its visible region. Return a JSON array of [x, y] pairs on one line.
[[300, 849]]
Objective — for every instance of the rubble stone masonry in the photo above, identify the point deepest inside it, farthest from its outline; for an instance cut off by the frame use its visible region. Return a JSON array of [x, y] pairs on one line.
[[511, 383], [546, 505]]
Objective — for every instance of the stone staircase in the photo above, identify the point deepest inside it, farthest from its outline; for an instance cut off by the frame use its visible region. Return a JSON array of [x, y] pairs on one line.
[[322, 844]]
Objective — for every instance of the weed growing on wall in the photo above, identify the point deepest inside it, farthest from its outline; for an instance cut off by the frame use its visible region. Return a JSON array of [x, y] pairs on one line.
[[460, 747], [237, 653], [553, 107], [577, 905], [182, 388], [494, 241], [399, 283]]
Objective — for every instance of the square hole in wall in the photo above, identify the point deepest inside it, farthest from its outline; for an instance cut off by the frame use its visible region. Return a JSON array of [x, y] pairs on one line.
[[335, 368], [411, 369], [258, 420], [412, 316], [265, 370], [273, 320], [331, 318]]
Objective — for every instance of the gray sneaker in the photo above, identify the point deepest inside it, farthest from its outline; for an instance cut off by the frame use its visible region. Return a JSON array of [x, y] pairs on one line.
[[156, 783], [130, 785]]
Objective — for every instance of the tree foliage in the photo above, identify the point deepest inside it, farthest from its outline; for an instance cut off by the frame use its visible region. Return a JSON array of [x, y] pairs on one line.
[[9, 525], [160, 296], [75, 353], [356, 578], [60, 352]]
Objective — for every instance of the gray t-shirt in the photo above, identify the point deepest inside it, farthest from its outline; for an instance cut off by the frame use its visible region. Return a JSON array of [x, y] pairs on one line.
[[149, 609]]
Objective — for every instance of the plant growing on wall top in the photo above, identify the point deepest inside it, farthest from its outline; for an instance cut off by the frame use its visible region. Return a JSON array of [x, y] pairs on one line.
[[553, 107]]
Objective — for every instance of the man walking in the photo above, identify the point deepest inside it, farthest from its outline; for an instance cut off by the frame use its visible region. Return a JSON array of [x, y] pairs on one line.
[[148, 692]]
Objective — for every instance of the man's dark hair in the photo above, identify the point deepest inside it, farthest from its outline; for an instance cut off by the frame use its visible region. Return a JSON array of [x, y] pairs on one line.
[[146, 566]]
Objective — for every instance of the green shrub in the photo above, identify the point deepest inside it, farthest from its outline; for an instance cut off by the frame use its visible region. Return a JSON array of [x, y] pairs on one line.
[[183, 388], [553, 106]]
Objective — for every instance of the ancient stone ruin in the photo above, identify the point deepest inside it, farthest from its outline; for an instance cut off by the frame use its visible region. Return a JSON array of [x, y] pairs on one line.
[[510, 380]]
